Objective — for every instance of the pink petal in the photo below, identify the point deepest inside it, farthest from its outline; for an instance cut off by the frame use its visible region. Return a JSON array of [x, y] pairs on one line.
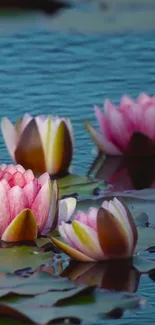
[[77, 244], [126, 101], [44, 178], [63, 233], [81, 217], [108, 105], [10, 136], [134, 114], [92, 218], [28, 175], [5, 184], [52, 220], [41, 206], [66, 209], [20, 168], [86, 240], [105, 205], [73, 253], [4, 210], [31, 190], [103, 122], [119, 126], [11, 169], [102, 142], [17, 201], [143, 99], [88, 219], [3, 166], [7, 176], [149, 122], [17, 179]]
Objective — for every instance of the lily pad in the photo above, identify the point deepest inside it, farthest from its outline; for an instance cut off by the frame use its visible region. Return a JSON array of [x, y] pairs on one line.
[[39, 282], [143, 265], [21, 257], [79, 185], [141, 219], [146, 238], [86, 306]]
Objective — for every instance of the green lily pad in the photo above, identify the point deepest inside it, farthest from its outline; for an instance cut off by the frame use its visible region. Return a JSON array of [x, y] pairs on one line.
[[86, 306], [21, 257], [80, 185], [141, 219], [143, 265], [39, 282], [146, 238]]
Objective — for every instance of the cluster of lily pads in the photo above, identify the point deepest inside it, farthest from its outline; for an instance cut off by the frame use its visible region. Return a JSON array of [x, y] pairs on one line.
[[32, 211]]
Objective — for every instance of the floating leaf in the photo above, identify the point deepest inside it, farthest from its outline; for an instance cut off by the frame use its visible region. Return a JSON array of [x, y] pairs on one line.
[[39, 282], [79, 185], [143, 265], [57, 297], [20, 257], [146, 238], [85, 306], [141, 219]]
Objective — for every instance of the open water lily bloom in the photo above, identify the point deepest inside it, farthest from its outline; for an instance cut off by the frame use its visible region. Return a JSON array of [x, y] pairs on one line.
[[100, 234], [43, 143], [29, 205], [127, 129]]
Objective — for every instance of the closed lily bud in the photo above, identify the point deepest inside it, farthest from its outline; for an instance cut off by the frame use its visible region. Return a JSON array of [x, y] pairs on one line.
[[29, 205], [100, 234], [43, 143]]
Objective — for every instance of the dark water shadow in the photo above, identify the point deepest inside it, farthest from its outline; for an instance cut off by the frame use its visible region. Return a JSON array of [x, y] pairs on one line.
[[124, 173], [48, 6], [112, 275]]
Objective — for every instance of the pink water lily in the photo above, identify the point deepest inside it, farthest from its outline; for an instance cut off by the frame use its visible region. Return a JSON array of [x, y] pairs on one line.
[[100, 234], [126, 129], [42, 143], [29, 205]]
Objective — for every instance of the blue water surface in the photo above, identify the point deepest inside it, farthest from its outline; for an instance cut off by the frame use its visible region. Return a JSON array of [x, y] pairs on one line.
[[65, 75]]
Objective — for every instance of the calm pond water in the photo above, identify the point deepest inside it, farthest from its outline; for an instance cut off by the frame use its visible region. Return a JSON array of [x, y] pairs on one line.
[[66, 74]]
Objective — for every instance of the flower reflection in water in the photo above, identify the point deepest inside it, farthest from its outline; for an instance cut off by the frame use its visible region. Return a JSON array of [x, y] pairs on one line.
[[124, 173], [112, 275]]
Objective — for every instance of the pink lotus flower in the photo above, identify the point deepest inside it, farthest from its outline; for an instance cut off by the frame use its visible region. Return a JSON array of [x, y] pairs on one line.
[[128, 129], [43, 143], [29, 205], [107, 233]]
